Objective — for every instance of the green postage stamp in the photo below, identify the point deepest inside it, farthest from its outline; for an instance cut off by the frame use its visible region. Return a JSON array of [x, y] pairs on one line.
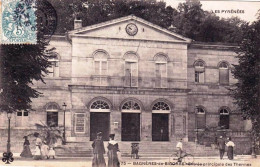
[[18, 22]]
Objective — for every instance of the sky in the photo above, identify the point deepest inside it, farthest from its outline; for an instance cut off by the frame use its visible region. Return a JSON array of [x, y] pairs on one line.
[[246, 9]]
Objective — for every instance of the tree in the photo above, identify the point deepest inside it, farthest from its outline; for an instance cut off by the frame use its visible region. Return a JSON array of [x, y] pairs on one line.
[[20, 66], [246, 91]]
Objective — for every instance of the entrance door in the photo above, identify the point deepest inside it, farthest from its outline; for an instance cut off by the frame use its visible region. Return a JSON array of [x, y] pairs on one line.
[[160, 127], [99, 122], [130, 127]]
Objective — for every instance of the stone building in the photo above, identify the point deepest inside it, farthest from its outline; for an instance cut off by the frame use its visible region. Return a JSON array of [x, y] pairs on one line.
[[144, 83]]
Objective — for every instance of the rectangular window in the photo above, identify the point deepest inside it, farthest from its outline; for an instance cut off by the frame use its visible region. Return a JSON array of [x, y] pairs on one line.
[[199, 77], [223, 76], [131, 74], [53, 69], [161, 75], [22, 119]]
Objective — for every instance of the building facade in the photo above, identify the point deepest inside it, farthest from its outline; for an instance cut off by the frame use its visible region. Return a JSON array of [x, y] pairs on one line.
[[135, 79]]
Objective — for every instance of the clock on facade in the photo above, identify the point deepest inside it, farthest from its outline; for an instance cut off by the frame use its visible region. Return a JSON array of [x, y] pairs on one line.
[[131, 29]]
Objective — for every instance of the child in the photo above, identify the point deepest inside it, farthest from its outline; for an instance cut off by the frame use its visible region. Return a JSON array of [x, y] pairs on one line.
[[45, 150], [52, 152], [37, 154]]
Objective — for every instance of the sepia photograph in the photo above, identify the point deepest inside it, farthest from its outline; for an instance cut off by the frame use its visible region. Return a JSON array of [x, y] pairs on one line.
[[129, 83]]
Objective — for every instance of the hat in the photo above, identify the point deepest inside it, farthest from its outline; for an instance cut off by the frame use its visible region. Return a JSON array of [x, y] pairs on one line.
[[25, 137], [36, 134], [220, 136], [99, 134], [112, 135]]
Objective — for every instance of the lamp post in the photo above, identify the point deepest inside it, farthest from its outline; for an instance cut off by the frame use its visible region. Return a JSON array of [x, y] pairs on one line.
[[64, 136], [8, 156]]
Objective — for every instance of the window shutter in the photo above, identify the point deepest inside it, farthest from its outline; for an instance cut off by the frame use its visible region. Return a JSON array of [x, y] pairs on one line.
[[201, 121], [223, 76], [201, 77], [157, 76], [104, 68], [127, 73], [163, 75], [134, 74]]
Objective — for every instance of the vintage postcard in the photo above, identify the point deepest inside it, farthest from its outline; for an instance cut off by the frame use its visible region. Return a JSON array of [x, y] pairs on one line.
[[109, 83]]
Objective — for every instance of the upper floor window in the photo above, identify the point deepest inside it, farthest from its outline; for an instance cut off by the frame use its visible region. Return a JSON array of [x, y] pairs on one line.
[[54, 67], [199, 71], [22, 119], [224, 118], [101, 67], [131, 69], [52, 114], [160, 71], [200, 118], [223, 73]]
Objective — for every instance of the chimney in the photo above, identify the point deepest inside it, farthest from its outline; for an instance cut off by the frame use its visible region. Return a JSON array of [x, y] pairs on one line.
[[77, 23]]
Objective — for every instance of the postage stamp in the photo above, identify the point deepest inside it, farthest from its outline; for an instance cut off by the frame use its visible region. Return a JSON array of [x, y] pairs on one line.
[[18, 22]]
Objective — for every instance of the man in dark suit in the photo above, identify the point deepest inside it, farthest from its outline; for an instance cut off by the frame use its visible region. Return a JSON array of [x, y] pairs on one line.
[[221, 146]]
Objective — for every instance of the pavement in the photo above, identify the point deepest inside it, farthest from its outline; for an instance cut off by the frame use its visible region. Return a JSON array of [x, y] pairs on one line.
[[239, 161]]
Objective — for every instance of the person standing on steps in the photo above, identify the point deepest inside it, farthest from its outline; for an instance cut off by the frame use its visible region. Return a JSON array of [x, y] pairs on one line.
[[221, 147], [179, 149], [98, 152]]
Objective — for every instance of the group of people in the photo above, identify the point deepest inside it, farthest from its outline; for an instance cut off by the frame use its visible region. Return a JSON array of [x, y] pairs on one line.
[[42, 150], [99, 151], [221, 145], [230, 147]]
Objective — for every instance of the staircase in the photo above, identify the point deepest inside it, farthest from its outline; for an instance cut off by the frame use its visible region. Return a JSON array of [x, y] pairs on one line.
[[146, 149]]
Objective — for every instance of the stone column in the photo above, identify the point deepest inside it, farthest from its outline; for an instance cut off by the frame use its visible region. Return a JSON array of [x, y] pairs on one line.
[[115, 124], [146, 126]]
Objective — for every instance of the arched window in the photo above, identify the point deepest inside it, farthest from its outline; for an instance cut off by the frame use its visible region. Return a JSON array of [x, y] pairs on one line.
[[199, 71], [223, 73], [224, 118], [200, 118], [161, 107], [131, 106], [99, 106], [131, 69], [54, 67], [101, 68], [52, 114], [160, 71]]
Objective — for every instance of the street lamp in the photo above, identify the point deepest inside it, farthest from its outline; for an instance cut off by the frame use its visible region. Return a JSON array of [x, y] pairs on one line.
[[64, 136], [8, 156]]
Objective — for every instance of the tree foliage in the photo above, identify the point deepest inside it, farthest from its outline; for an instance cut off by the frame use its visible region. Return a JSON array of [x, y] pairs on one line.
[[20, 66], [189, 19], [246, 90]]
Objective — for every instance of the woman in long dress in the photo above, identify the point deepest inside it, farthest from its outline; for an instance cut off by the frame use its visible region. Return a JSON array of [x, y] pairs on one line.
[[112, 152], [98, 152], [230, 152], [38, 144], [26, 148]]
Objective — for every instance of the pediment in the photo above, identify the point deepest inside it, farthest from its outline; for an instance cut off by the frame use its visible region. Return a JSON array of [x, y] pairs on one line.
[[118, 29]]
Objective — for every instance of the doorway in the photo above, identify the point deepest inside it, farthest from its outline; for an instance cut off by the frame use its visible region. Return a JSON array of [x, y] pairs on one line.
[[99, 122], [130, 127], [160, 127]]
